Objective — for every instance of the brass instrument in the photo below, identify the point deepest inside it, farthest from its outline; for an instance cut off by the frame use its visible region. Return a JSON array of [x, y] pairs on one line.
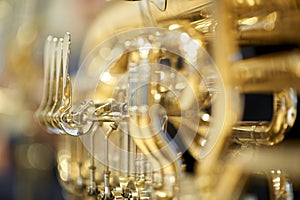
[[172, 63]]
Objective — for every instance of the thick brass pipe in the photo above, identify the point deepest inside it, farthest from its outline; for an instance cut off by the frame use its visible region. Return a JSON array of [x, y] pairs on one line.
[[268, 73]]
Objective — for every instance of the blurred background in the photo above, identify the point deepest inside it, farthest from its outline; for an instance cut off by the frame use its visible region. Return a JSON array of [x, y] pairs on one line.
[[27, 153]]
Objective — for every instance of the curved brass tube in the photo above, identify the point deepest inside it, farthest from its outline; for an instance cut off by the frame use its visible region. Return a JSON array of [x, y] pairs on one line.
[[146, 121], [260, 159], [270, 133], [146, 129], [268, 73], [149, 137]]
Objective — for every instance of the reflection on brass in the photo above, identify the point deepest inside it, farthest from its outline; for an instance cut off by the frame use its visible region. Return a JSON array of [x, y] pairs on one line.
[[57, 95], [270, 133], [155, 73], [281, 186], [268, 73]]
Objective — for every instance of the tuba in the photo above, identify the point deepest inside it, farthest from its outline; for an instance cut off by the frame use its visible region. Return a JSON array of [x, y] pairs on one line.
[[162, 79]]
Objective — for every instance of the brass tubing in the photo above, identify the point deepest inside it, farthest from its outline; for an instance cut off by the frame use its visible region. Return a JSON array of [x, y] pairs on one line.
[[259, 159], [146, 129], [273, 132], [154, 144], [280, 185], [269, 73]]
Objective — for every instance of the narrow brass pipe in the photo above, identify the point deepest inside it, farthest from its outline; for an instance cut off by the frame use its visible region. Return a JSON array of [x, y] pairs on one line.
[[154, 144], [146, 130], [273, 132]]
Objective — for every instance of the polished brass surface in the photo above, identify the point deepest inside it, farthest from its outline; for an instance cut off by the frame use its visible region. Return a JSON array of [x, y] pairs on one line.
[[172, 63], [281, 186], [270, 133]]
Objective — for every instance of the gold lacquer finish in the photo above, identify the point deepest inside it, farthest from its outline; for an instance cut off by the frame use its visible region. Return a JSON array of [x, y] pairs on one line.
[[165, 78]]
